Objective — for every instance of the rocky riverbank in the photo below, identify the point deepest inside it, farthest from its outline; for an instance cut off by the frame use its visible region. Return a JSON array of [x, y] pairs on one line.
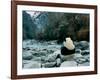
[[46, 54]]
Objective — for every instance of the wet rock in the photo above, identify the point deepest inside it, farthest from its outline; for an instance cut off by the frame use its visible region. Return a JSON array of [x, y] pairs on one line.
[[44, 59], [36, 59], [87, 57], [50, 51], [70, 57], [83, 45], [27, 56], [68, 64], [58, 62], [39, 53], [84, 64], [48, 64], [48, 55], [26, 61], [43, 53], [32, 42], [67, 57], [26, 48], [34, 49], [44, 49], [33, 64], [81, 60], [36, 54], [78, 51], [77, 56], [76, 43], [52, 42], [53, 57], [85, 52]]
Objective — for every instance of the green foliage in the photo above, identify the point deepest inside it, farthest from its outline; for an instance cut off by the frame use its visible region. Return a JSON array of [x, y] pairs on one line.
[[29, 28], [54, 26]]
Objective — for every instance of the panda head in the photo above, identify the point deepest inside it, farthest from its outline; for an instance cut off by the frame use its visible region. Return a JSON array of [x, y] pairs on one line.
[[69, 44]]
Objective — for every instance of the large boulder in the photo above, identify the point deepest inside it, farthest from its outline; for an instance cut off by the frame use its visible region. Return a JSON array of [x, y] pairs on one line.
[[84, 64], [39, 53], [54, 56], [85, 52], [68, 64], [70, 57], [33, 64], [58, 62], [48, 64], [83, 45], [27, 55], [78, 51], [81, 60], [67, 57]]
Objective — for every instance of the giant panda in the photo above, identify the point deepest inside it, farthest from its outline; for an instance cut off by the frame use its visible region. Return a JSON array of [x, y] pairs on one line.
[[68, 47]]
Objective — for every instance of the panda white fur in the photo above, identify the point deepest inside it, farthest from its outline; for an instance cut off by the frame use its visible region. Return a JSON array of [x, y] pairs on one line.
[[68, 47]]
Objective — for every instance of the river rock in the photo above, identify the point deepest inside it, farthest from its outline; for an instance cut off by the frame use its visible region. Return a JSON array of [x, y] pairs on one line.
[[67, 57], [81, 60], [70, 57], [85, 52], [26, 61], [27, 55], [53, 57], [36, 59], [26, 48], [50, 51], [84, 64], [58, 62], [78, 51], [76, 43], [83, 45], [44, 59], [77, 56], [49, 65], [87, 57], [33, 64], [36, 54], [68, 64], [43, 53], [39, 53]]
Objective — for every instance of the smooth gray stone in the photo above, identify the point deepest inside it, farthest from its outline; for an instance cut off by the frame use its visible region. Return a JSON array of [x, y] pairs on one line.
[[81, 60], [67, 57], [68, 64], [83, 45], [33, 64], [58, 62], [49, 65], [27, 55], [53, 57], [70, 57], [78, 51], [84, 64], [85, 52]]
